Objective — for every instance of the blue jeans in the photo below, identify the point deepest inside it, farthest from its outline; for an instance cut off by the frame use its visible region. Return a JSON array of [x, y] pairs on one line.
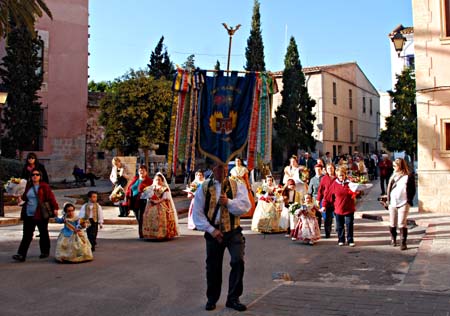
[[348, 221]]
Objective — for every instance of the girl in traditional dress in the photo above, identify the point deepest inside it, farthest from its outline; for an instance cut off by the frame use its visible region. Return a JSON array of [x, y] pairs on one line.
[[240, 173], [160, 221], [307, 228], [192, 188], [73, 244], [290, 196], [267, 213]]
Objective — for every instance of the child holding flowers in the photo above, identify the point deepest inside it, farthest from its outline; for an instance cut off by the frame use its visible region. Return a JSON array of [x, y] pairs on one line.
[[307, 227], [73, 244]]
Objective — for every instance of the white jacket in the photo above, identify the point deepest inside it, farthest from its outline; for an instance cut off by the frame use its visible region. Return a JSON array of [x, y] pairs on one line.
[[397, 194]]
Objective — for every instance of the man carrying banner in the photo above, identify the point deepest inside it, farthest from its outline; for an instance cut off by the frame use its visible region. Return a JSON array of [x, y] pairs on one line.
[[216, 210]]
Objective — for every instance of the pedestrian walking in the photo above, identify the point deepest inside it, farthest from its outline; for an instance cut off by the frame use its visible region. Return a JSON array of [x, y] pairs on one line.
[[216, 211], [92, 212], [37, 196]]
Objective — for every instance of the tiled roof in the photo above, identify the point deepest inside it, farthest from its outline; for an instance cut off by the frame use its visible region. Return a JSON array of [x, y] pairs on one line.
[[402, 29]]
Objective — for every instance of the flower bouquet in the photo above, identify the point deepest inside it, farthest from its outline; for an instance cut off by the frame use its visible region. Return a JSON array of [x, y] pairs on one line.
[[293, 208], [15, 186], [191, 188], [117, 195], [148, 192], [304, 175]]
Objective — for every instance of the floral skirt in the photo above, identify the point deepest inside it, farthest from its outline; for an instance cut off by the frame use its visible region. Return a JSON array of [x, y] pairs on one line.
[[159, 222], [75, 248], [307, 229]]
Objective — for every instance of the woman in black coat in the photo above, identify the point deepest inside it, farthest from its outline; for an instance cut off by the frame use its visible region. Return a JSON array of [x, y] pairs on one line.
[[33, 163]]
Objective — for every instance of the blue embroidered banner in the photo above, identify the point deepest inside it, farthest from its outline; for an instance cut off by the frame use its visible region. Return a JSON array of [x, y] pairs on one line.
[[225, 111]]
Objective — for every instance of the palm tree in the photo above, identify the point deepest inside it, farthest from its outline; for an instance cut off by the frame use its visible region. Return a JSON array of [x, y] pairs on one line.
[[21, 11]]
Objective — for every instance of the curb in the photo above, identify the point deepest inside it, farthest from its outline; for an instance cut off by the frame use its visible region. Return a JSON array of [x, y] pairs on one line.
[[108, 221], [380, 218]]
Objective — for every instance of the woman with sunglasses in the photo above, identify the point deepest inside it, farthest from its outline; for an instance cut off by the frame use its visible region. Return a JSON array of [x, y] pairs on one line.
[[33, 163], [36, 193]]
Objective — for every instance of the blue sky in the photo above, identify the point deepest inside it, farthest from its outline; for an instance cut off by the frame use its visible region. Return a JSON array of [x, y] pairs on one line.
[[124, 33]]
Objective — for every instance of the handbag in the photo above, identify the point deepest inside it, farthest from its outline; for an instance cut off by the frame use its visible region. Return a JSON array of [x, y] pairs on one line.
[[46, 208]]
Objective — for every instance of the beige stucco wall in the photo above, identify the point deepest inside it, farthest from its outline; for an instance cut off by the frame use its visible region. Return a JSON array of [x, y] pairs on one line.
[[433, 106], [320, 88]]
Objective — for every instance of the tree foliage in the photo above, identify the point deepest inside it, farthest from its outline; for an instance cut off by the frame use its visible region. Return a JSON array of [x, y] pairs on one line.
[[19, 71], [401, 126], [254, 52], [160, 65], [135, 112], [294, 118], [189, 63], [23, 12], [101, 86]]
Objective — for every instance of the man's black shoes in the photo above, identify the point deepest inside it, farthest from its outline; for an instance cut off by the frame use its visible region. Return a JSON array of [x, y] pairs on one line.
[[236, 305], [19, 258], [210, 306]]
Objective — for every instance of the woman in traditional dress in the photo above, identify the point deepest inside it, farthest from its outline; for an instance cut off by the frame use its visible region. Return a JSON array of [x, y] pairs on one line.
[[240, 173], [73, 244], [307, 228], [160, 221], [266, 218], [293, 172], [192, 188]]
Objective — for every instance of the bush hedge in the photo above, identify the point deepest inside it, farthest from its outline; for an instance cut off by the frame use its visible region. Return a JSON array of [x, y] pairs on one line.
[[10, 168]]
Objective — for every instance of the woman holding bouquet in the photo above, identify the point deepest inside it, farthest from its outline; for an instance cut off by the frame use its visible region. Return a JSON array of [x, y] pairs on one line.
[[266, 218], [199, 179], [120, 175], [160, 220]]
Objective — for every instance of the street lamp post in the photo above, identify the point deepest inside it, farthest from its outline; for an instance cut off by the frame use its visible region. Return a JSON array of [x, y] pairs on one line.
[[3, 96]]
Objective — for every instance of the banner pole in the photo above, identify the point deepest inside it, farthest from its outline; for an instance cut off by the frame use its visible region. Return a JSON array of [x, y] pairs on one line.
[[231, 32]]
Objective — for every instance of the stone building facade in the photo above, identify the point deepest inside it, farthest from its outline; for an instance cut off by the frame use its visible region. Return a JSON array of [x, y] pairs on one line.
[[347, 108], [432, 56]]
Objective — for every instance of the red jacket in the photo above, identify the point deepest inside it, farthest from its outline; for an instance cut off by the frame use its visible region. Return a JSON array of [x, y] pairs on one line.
[[341, 196], [325, 182], [385, 168], [147, 181], [45, 194]]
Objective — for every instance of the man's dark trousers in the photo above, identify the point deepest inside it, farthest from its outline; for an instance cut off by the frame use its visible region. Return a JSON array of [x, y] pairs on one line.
[[234, 241]]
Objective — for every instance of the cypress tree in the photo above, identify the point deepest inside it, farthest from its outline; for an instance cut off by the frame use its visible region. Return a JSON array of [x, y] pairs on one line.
[[160, 65], [401, 126], [254, 52], [294, 118], [19, 71]]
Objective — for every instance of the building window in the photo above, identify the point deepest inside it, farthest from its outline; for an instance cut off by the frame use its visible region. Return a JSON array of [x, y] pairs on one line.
[[351, 131], [37, 144], [410, 61], [335, 128], [334, 94], [445, 142], [364, 104], [350, 99], [40, 56], [370, 107], [445, 7]]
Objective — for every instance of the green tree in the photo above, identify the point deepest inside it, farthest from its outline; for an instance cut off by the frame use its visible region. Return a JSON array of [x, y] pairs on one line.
[[135, 112], [24, 12], [401, 126], [160, 65], [294, 118], [101, 86], [254, 52], [217, 66], [189, 63], [22, 78]]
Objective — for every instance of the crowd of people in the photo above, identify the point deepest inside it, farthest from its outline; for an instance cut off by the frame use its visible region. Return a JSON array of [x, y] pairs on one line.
[[311, 191]]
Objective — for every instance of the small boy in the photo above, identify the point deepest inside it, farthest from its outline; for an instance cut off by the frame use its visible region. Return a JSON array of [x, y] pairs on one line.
[[93, 212]]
